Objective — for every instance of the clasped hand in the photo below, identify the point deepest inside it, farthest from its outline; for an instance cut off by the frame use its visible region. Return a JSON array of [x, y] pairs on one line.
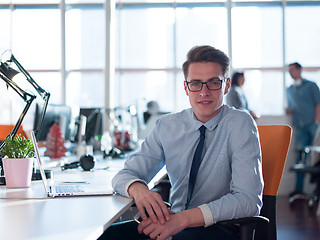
[[156, 217], [161, 231], [149, 202]]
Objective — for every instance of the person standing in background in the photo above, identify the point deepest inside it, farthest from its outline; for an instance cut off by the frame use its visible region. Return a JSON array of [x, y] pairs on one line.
[[236, 97], [303, 98]]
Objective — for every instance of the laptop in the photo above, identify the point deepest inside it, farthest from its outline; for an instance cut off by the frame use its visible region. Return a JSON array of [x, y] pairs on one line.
[[69, 189]]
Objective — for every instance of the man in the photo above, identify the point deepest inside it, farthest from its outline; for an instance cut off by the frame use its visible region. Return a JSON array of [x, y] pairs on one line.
[[304, 106], [229, 181]]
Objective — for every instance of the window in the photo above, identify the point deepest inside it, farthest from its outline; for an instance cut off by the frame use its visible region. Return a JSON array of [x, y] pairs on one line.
[[63, 44], [85, 37], [85, 55], [200, 25], [302, 34], [257, 38], [145, 38], [257, 45], [152, 48], [37, 44]]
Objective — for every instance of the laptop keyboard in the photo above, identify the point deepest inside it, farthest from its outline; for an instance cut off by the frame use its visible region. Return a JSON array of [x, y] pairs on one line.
[[68, 189]]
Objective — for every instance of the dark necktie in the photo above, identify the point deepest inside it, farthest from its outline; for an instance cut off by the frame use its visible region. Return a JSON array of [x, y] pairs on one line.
[[195, 164]]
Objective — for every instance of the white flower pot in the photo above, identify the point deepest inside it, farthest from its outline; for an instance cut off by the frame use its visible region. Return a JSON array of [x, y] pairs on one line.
[[18, 172]]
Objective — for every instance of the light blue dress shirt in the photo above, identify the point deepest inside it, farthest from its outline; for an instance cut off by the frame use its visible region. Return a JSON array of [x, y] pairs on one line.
[[302, 101], [229, 182]]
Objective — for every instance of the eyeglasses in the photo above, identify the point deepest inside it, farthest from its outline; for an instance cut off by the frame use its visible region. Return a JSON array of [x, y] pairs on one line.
[[212, 84]]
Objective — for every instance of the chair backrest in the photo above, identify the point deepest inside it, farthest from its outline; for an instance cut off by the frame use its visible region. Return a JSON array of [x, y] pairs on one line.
[[6, 129], [275, 142]]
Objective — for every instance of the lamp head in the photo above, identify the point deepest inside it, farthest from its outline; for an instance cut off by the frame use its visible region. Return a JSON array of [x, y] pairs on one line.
[[8, 71]]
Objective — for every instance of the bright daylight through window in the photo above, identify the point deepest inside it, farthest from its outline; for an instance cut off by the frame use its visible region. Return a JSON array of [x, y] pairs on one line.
[[64, 46]]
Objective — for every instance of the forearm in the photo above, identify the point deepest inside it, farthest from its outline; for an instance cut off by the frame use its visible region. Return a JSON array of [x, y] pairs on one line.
[[135, 188], [123, 180], [192, 218]]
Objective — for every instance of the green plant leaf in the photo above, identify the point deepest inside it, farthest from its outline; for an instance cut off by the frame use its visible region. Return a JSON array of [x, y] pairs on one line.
[[18, 147]]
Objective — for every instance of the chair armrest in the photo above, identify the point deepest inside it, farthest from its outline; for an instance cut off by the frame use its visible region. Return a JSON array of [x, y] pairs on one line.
[[246, 225], [302, 168], [246, 220]]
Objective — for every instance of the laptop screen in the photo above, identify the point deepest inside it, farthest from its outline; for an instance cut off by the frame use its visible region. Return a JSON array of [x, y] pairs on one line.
[[36, 150]]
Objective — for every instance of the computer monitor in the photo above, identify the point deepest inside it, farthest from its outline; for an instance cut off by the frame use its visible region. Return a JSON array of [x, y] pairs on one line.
[[61, 114], [94, 125]]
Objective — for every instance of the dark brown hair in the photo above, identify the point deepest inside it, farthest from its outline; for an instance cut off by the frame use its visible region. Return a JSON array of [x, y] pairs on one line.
[[296, 65], [206, 53], [235, 77]]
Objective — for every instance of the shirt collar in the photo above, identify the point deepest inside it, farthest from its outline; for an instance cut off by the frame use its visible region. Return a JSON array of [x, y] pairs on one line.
[[211, 124]]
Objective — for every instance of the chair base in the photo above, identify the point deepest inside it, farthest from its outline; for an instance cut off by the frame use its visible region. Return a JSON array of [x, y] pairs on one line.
[[312, 199]]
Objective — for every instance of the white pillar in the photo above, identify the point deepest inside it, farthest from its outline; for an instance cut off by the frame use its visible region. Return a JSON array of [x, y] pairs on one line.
[[109, 71]]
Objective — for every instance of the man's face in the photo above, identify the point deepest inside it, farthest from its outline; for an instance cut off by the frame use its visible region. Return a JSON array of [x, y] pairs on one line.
[[206, 103], [294, 72]]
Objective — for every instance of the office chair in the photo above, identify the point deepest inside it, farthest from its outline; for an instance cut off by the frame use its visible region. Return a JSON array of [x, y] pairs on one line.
[[6, 129], [312, 168], [275, 141]]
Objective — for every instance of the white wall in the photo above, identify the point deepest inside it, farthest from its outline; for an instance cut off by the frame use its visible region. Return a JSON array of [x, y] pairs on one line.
[[288, 178]]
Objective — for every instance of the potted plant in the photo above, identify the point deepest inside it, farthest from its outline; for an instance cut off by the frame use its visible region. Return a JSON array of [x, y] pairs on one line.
[[18, 155]]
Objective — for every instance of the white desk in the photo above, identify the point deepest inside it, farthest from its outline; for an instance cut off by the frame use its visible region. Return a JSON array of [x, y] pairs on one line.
[[29, 214]]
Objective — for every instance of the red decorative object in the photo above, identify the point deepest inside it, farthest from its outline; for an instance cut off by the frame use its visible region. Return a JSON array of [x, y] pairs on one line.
[[55, 143]]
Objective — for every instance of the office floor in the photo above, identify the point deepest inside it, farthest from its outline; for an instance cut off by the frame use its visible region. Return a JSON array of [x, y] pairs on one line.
[[297, 223]]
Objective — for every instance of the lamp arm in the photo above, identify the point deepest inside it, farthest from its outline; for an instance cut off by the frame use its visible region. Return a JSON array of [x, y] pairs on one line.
[[27, 97], [19, 122], [23, 94], [43, 93]]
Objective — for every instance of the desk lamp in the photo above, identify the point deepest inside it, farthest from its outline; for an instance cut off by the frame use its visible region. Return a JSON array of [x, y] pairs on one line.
[[7, 73]]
